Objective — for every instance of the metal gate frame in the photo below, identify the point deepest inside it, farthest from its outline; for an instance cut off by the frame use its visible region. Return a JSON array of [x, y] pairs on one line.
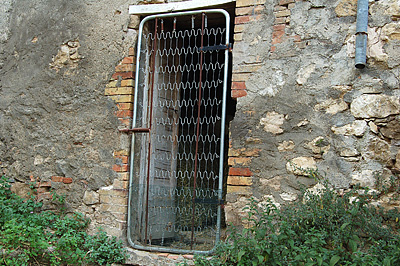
[[135, 130]]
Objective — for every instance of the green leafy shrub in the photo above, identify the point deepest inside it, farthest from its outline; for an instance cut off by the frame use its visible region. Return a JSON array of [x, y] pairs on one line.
[[29, 236], [320, 229]]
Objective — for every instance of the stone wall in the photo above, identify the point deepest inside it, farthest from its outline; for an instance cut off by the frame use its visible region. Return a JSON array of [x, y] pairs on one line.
[[57, 128], [303, 104], [67, 87]]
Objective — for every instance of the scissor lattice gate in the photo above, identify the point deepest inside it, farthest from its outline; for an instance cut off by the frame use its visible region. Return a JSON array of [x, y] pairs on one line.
[[178, 132]]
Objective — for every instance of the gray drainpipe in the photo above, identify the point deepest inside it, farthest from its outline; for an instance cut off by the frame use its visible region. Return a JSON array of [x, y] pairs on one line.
[[361, 34]]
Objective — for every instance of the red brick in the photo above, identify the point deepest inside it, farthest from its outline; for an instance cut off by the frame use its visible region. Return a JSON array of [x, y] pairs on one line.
[[273, 48], [188, 256], [124, 75], [238, 85], [131, 51], [128, 60], [239, 171], [124, 159], [276, 40], [238, 93], [163, 254], [278, 33], [125, 106], [67, 180], [242, 19], [120, 168], [124, 113], [57, 178], [124, 68], [279, 27]]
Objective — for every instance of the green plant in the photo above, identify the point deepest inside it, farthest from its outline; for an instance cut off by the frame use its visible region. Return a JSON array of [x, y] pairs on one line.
[[320, 229], [29, 236]]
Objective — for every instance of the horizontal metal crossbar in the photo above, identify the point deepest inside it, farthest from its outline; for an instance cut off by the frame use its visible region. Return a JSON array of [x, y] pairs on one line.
[[215, 47]]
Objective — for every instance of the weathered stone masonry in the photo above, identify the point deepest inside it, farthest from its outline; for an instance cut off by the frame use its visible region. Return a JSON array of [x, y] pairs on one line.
[[300, 102]]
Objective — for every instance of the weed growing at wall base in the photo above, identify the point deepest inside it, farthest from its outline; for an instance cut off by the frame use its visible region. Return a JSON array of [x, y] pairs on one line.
[[324, 229], [29, 236]]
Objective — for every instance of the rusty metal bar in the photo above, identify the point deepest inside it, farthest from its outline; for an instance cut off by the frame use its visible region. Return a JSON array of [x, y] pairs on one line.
[[135, 130], [150, 122], [197, 127]]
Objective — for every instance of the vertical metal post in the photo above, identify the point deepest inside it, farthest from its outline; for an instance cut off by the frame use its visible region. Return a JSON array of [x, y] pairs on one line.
[[150, 122], [197, 128], [223, 117]]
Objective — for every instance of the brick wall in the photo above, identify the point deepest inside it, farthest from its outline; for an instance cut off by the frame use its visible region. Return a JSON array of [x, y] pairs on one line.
[[114, 199]]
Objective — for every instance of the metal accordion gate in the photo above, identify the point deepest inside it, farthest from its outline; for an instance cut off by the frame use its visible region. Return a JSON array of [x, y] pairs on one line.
[[177, 152]]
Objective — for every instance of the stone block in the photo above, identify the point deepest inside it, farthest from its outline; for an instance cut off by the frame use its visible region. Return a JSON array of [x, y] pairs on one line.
[[134, 21], [357, 128], [301, 166], [346, 8], [91, 197], [391, 130], [272, 122], [375, 106]]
